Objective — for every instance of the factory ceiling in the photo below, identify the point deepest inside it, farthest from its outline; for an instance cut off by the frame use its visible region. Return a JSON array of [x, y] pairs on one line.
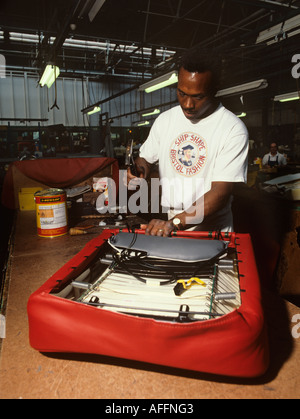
[[136, 39]]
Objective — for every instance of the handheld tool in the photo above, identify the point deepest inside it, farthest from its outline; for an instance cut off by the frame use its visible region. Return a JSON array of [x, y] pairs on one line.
[[129, 161]]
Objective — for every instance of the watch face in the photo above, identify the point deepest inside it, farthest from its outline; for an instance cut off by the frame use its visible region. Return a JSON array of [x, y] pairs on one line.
[[176, 221]]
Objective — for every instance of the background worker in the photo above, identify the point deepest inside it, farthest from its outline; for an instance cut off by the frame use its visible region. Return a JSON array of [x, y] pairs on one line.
[[273, 158]]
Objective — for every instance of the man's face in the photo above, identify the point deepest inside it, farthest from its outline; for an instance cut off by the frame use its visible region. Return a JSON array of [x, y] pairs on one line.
[[273, 148], [193, 94]]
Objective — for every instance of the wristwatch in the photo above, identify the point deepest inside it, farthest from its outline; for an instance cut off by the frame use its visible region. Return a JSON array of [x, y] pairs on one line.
[[176, 223]]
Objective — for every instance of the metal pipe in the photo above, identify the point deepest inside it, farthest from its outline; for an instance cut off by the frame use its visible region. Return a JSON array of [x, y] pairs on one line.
[[81, 285]]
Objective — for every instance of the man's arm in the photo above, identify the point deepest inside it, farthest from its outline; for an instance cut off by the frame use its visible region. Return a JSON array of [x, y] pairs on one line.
[[214, 200], [265, 161], [283, 161], [217, 197]]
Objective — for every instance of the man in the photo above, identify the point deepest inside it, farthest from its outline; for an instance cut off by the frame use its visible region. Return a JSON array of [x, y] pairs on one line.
[[274, 158], [219, 141]]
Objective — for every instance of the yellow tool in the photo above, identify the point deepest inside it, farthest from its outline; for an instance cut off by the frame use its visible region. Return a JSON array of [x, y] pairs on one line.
[[183, 285]]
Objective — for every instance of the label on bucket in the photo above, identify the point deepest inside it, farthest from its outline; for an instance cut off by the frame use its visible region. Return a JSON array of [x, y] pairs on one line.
[[51, 214], [52, 219]]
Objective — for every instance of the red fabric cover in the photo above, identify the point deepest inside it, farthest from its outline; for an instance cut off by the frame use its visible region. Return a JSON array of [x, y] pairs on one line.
[[233, 345], [56, 173]]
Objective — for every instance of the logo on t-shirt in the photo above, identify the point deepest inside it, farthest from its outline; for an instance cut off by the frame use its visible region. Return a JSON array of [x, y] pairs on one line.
[[188, 154]]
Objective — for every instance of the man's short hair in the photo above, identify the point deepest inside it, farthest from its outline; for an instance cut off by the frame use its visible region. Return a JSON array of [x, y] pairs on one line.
[[194, 62]]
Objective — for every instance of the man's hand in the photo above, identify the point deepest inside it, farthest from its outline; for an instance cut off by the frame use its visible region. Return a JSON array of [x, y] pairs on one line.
[[143, 169], [158, 227]]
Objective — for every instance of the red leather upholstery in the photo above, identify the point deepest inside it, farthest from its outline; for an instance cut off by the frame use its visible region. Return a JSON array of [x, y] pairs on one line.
[[232, 345]]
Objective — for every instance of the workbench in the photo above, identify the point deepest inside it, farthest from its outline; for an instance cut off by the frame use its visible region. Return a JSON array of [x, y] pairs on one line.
[[26, 373]]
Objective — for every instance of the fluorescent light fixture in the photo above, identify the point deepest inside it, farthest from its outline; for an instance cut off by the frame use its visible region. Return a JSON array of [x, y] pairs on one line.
[[287, 97], [49, 76], [160, 82], [155, 112], [274, 33], [243, 88], [23, 37], [96, 109], [141, 123], [242, 115]]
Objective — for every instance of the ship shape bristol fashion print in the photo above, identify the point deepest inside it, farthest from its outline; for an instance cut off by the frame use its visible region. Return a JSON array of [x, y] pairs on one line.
[[188, 154]]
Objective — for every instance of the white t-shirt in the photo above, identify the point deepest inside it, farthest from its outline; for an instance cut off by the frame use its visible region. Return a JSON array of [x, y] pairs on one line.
[[193, 155]]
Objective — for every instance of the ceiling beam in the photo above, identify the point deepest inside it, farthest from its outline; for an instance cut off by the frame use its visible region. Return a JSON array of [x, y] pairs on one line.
[[65, 29], [176, 20], [200, 22], [147, 19], [258, 14], [267, 4]]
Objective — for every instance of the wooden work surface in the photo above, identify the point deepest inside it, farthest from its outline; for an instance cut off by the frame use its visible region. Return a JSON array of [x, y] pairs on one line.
[[28, 374]]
